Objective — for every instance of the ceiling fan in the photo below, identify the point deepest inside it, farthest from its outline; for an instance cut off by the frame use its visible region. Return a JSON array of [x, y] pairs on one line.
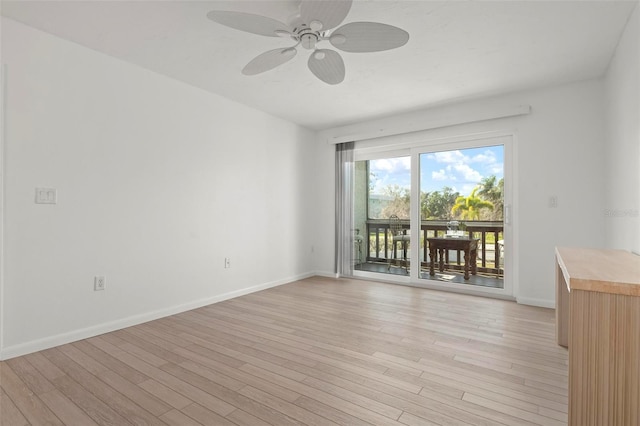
[[315, 21]]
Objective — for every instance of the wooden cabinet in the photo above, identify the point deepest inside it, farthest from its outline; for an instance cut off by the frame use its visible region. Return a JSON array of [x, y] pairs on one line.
[[598, 319]]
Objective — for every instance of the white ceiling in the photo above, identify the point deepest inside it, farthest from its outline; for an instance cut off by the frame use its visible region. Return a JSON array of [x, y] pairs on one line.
[[457, 49]]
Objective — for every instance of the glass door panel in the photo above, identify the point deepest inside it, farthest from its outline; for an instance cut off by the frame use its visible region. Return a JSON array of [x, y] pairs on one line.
[[382, 209], [462, 216]]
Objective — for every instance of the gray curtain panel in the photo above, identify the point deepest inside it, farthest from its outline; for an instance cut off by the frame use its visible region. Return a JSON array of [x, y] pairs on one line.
[[344, 208]]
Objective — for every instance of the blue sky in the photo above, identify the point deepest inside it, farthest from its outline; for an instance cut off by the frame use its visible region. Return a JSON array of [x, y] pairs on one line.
[[461, 170]]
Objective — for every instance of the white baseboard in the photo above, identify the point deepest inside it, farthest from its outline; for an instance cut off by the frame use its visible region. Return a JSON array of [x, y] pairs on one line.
[[85, 333], [542, 303], [326, 274]]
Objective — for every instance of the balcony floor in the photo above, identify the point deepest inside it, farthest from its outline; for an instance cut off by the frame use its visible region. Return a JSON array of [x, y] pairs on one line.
[[482, 279]]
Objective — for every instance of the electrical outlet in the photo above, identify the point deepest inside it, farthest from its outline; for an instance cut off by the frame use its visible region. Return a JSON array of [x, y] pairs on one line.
[[227, 262], [553, 201], [99, 283], [46, 196]]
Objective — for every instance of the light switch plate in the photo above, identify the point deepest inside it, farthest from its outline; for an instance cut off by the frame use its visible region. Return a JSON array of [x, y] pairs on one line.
[[46, 196]]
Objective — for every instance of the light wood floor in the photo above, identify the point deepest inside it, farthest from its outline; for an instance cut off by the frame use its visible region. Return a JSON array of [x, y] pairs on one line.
[[318, 351]]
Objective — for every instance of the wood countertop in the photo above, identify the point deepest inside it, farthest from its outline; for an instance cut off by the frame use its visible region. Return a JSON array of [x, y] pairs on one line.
[[600, 270]]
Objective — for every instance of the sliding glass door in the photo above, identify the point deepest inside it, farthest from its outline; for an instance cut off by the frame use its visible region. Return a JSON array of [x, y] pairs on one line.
[[435, 215]]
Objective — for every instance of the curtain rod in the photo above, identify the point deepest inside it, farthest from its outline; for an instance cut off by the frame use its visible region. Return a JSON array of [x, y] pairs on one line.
[[432, 119]]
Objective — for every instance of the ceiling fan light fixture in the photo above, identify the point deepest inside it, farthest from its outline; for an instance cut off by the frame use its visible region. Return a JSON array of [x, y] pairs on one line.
[[337, 39]]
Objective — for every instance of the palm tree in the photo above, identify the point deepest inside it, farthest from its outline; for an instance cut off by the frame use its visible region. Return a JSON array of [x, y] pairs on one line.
[[469, 207], [490, 189], [493, 192]]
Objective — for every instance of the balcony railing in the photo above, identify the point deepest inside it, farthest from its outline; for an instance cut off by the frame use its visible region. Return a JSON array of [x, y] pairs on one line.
[[489, 234]]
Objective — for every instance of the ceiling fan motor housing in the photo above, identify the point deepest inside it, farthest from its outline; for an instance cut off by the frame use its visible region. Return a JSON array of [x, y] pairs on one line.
[[308, 38], [309, 41]]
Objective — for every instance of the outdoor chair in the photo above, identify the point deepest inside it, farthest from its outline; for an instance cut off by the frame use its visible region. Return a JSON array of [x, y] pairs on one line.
[[398, 235]]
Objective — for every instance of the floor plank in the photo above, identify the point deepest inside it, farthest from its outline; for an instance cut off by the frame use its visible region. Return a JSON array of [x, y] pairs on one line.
[[319, 351], [9, 413], [29, 404], [65, 409]]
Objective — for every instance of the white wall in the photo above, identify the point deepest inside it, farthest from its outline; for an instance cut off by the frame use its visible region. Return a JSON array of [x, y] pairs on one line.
[[559, 150], [157, 183], [622, 88]]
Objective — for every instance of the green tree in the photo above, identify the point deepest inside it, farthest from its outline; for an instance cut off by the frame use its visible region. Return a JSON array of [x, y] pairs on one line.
[[438, 204], [399, 203], [470, 207]]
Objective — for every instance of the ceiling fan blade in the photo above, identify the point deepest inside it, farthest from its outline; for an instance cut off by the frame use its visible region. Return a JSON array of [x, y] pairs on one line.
[[329, 12], [368, 37], [327, 65], [269, 60], [248, 22]]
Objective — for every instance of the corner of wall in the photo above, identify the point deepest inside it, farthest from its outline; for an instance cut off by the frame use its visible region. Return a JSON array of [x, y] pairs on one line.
[[621, 212], [540, 303], [3, 76]]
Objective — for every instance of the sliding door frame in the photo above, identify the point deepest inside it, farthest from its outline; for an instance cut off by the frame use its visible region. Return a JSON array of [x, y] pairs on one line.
[[418, 144]]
